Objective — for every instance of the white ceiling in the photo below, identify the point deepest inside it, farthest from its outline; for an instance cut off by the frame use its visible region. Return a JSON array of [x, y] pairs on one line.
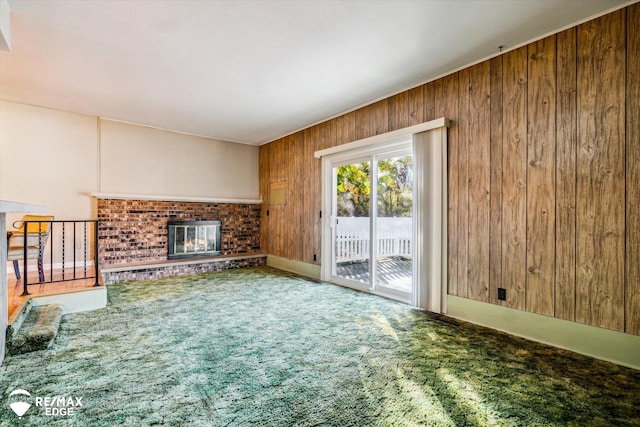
[[252, 71]]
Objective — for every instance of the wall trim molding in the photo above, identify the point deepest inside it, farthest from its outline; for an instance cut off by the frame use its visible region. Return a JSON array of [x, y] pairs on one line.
[[174, 198], [605, 344]]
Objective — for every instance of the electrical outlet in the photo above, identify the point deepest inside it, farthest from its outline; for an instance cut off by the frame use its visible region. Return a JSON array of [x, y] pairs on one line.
[[502, 294]]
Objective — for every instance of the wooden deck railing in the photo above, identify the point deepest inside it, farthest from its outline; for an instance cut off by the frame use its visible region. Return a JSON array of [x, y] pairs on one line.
[[354, 246]]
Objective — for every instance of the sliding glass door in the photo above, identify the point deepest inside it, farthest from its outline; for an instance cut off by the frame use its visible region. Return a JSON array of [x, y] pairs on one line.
[[352, 227], [372, 223], [384, 215], [393, 221]]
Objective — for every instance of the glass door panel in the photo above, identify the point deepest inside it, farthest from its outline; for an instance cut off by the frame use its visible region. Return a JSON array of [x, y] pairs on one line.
[[394, 224], [374, 225], [352, 244]]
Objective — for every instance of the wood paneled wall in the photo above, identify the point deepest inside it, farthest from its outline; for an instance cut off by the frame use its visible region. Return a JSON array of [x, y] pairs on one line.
[[544, 174]]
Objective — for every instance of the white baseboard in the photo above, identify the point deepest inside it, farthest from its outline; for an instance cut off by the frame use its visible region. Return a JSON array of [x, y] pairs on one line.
[[605, 344], [302, 268]]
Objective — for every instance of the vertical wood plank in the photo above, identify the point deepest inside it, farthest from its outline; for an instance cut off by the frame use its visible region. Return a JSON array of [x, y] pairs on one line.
[[566, 143], [416, 106], [309, 181], [271, 214], [372, 119], [632, 289], [462, 255], [446, 105], [541, 156], [398, 110], [278, 166], [264, 168], [285, 211], [346, 128], [363, 120], [479, 180], [514, 191], [495, 224], [283, 175], [601, 172], [273, 160], [429, 98], [322, 138], [326, 138], [379, 121], [296, 202], [272, 223]]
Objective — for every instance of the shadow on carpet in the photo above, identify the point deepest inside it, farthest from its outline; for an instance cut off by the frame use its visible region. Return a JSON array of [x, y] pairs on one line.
[[262, 347]]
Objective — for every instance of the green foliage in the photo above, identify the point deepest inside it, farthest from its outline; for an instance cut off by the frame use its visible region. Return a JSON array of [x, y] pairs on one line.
[[395, 187], [394, 192], [354, 190]]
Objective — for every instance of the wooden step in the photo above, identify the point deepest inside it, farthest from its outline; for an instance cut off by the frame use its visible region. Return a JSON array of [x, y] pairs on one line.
[[38, 330]]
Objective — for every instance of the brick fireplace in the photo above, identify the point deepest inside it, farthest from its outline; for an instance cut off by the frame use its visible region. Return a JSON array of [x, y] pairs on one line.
[[135, 232]]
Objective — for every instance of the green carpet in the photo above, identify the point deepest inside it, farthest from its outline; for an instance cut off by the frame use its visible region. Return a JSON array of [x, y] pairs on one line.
[[262, 347]]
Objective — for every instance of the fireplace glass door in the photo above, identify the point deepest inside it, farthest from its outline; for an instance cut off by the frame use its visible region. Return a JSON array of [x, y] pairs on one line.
[[194, 238]]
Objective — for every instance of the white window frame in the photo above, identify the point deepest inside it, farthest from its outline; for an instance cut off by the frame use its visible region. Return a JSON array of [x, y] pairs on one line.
[[429, 144]]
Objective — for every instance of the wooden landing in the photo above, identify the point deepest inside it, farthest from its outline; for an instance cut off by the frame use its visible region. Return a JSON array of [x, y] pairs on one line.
[[16, 300]]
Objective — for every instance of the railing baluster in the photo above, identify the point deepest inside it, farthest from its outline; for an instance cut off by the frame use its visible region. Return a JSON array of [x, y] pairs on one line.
[[40, 262], [25, 281], [74, 250], [95, 252], [63, 248], [51, 251], [84, 246]]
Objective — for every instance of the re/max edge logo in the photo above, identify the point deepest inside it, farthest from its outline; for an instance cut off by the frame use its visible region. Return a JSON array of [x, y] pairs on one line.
[[20, 401]]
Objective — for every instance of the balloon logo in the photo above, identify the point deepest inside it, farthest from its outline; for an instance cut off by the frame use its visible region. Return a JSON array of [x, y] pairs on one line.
[[20, 408]]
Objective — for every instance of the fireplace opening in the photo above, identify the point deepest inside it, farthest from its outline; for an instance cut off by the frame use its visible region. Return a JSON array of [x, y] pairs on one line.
[[194, 238]]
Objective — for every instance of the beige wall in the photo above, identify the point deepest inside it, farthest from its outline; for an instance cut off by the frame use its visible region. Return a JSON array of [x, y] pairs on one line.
[[142, 160], [49, 158], [57, 159]]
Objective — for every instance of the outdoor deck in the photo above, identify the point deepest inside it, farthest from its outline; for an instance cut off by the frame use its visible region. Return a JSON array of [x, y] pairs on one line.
[[393, 273]]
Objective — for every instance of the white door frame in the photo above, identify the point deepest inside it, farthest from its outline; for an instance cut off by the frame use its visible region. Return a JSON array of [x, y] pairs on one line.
[[400, 147], [429, 141]]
